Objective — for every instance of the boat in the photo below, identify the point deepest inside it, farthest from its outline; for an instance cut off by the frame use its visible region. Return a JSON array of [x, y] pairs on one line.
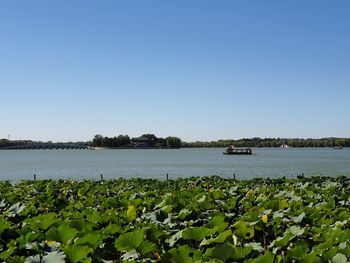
[[338, 147], [284, 146], [230, 150]]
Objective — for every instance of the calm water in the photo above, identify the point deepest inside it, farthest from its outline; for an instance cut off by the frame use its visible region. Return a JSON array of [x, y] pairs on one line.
[[85, 164]]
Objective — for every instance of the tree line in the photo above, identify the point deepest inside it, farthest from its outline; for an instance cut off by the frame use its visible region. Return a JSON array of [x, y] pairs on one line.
[[272, 142], [124, 141], [103, 141], [145, 140]]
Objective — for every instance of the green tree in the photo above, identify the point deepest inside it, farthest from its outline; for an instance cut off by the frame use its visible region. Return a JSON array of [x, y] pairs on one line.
[[97, 140], [173, 142]]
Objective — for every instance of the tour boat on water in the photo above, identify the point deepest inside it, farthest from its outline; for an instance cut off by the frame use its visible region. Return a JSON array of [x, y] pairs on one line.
[[237, 151]]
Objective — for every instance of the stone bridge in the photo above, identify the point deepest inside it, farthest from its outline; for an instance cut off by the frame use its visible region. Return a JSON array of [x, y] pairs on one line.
[[47, 146]]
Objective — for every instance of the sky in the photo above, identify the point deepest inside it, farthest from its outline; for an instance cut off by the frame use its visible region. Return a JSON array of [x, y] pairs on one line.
[[199, 69]]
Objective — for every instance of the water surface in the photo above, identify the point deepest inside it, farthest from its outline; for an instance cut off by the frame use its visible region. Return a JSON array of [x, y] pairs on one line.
[[86, 164]]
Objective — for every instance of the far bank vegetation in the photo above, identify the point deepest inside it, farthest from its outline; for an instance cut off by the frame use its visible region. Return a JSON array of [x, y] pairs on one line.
[[144, 141], [153, 142]]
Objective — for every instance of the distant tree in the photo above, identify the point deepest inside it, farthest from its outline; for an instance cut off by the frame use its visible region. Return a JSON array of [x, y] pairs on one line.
[[152, 139], [97, 140], [107, 142], [123, 140], [173, 142], [161, 143], [112, 142], [4, 142]]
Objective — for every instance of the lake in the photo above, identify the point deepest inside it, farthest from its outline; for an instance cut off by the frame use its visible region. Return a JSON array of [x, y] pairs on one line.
[[16, 165]]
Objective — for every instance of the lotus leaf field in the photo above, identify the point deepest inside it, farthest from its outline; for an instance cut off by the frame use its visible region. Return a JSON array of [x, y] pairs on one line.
[[207, 219]]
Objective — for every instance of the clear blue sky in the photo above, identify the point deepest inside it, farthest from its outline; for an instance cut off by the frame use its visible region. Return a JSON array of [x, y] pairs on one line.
[[200, 70]]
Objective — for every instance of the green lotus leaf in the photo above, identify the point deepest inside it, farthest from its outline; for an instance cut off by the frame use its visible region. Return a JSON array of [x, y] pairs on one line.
[[167, 200], [216, 194], [218, 222], [284, 240], [344, 236], [297, 230], [219, 239], [82, 191], [27, 237], [330, 253], [253, 216], [270, 204], [324, 246], [69, 216], [339, 258], [78, 205], [268, 257], [244, 230], [7, 253], [197, 233], [256, 246], [111, 229], [344, 248], [43, 221], [167, 208], [207, 255], [4, 224], [183, 254], [298, 252], [310, 258], [201, 199], [80, 224], [330, 204], [146, 247], [283, 204], [241, 252], [223, 252], [64, 233], [184, 213], [77, 253], [92, 239], [131, 213], [128, 241], [92, 215]]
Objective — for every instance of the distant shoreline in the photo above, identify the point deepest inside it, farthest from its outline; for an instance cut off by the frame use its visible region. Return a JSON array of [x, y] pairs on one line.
[[156, 148], [150, 141]]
